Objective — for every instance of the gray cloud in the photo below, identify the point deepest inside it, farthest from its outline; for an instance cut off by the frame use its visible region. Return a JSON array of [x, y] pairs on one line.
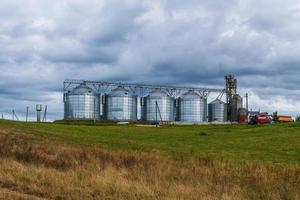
[[169, 42]]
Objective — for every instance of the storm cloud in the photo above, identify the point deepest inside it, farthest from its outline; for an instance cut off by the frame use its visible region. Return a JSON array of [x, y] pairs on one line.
[[193, 42]]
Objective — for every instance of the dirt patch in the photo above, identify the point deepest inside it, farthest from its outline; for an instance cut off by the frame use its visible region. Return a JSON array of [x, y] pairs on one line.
[[146, 125]]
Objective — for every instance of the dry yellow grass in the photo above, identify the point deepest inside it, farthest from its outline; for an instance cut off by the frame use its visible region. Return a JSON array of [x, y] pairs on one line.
[[54, 170]]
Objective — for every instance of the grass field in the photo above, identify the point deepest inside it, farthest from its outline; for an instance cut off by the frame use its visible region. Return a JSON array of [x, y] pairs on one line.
[[274, 143], [61, 161]]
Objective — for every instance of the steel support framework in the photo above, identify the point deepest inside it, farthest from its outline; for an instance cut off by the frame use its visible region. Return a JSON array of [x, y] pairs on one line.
[[138, 88]]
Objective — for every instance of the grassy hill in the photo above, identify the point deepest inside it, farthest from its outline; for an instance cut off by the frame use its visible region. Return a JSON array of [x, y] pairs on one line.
[[64, 161]]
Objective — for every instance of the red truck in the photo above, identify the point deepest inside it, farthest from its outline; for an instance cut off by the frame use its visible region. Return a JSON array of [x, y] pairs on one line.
[[260, 119]]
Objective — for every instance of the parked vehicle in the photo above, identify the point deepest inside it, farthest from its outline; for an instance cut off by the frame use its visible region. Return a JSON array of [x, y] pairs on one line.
[[260, 119], [285, 119]]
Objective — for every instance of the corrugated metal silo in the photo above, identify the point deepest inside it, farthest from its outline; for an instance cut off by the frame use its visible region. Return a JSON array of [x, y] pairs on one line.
[[165, 105], [192, 107], [81, 103], [121, 105], [217, 111]]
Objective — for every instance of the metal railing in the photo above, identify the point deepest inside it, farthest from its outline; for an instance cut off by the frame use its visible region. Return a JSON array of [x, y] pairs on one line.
[[139, 88]]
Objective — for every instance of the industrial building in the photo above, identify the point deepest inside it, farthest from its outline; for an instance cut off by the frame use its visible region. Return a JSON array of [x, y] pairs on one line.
[[149, 103], [233, 100]]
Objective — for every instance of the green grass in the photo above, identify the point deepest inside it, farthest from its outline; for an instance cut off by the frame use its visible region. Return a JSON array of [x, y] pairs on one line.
[[278, 143]]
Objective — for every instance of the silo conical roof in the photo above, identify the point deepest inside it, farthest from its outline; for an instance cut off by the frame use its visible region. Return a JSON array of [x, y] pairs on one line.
[[158, 93], [190, 95], [217, 101], [82, 89], [120, 91]]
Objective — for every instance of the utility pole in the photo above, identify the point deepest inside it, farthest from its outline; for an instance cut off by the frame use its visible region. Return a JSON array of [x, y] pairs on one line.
[[14, 115], [45, 114], [27, 110], [247, 106], [94, 113], [156, 112]]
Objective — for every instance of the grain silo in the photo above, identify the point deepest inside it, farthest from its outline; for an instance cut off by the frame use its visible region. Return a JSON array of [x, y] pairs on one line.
[[217, 111], [81, 103], [121, 105], [192, 107], [158, 105]]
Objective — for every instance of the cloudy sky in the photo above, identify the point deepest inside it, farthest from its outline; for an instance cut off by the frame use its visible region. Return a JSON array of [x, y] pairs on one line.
[[192, 42]]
